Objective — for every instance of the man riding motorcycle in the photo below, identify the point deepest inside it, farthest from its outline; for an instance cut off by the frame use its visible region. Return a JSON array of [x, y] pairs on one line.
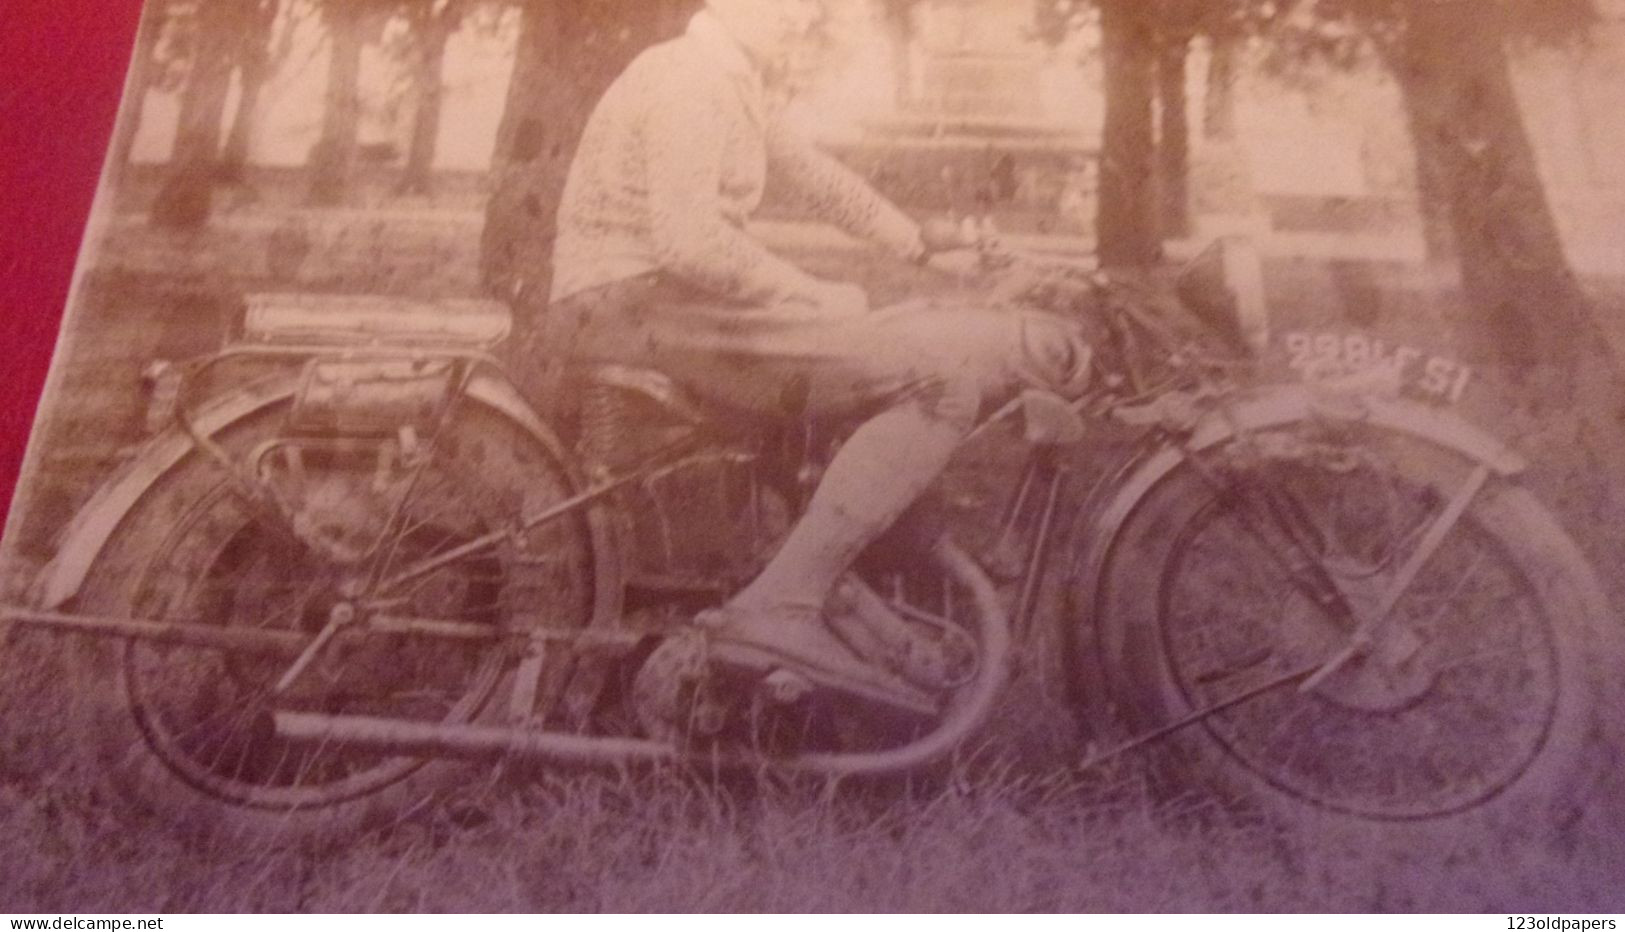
[[654, 267]]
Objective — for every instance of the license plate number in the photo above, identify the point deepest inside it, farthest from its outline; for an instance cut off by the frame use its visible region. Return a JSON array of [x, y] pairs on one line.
[[1327, 356]]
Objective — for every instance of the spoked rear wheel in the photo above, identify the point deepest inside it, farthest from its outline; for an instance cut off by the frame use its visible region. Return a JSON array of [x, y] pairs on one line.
[[1467, 683], [198, 553]]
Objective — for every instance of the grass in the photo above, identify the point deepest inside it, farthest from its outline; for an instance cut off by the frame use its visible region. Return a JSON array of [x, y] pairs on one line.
[[1000, 831], [662, 842]]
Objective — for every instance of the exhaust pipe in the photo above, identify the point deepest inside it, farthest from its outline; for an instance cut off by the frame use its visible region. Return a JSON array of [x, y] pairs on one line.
[[469, 742]]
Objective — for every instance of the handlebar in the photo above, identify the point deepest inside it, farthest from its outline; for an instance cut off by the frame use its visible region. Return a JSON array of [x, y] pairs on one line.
[[1203, 287], [1150, 335]]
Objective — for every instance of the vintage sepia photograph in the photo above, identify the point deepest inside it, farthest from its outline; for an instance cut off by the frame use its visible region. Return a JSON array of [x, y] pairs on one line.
[[799, 456]]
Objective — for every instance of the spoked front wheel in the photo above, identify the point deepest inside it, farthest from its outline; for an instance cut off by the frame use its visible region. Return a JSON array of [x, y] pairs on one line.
[[1358, 619]]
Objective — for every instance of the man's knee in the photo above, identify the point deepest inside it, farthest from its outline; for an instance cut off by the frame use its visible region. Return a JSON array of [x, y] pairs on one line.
[[1003, 353], [975, 356], [1052, 355]]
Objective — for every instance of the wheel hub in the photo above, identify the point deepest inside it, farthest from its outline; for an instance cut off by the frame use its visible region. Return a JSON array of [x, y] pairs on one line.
[[1384, 675], [1367, 684]]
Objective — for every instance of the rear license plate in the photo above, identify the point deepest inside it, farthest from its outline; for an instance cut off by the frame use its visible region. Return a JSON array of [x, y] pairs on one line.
[[1328, 356]]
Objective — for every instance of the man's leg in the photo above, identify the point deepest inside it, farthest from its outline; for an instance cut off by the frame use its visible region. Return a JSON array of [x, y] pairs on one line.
[[936, 367], [891, 460], [880, 470]]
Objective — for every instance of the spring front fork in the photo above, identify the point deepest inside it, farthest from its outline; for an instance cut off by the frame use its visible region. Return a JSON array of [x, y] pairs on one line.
[[1261, 508], [1297, 560], [1369, 630]]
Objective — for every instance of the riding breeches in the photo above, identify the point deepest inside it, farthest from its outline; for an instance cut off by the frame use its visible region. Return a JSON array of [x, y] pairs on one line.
[[796, 361]]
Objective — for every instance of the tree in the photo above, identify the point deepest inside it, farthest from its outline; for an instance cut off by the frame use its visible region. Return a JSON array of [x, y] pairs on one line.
[[332, 159], [1480, 189], [1144, 192], [1477, 167], [254, 61], [1477, 175], [569, 52], [145, 74], [212, 39], [897, 22], [216, 30], [1219, 97], [1126, 224], [432, 23], [1179, 22]]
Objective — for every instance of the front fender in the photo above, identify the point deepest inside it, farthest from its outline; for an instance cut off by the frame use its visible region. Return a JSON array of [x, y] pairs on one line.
[[94, 524], [1276, 407]]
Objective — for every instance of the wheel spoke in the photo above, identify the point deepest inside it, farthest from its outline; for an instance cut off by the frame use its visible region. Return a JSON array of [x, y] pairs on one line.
[[1431, 541], [1439, 722], [210, 557]]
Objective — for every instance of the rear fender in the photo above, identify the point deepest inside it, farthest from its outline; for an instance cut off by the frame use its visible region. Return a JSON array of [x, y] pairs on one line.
[[1274, 408], [85, 537]]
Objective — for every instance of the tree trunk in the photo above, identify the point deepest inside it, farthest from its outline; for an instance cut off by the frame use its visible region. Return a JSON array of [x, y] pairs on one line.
[[567, 58], [135, 88], [184, 200], [897, 20], [435, 32], [234, 158], [254, 68], [333, 157], [1477, 167], [1126, 224], [1432, 193], [1219, 100], [1174, 139]]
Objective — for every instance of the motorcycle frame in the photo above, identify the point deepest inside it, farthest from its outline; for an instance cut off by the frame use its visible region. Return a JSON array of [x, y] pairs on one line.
[[1030, 523], [1156, 452]]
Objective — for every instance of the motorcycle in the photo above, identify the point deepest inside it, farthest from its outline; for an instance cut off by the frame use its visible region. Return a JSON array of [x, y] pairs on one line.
[[351, 550]]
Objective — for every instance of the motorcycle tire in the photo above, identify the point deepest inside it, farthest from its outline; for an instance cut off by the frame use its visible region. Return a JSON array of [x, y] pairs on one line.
[[194, 551], [1476, 693]]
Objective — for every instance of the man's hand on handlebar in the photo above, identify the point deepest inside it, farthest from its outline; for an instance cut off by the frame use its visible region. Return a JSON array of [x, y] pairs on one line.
[[964, 247]]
